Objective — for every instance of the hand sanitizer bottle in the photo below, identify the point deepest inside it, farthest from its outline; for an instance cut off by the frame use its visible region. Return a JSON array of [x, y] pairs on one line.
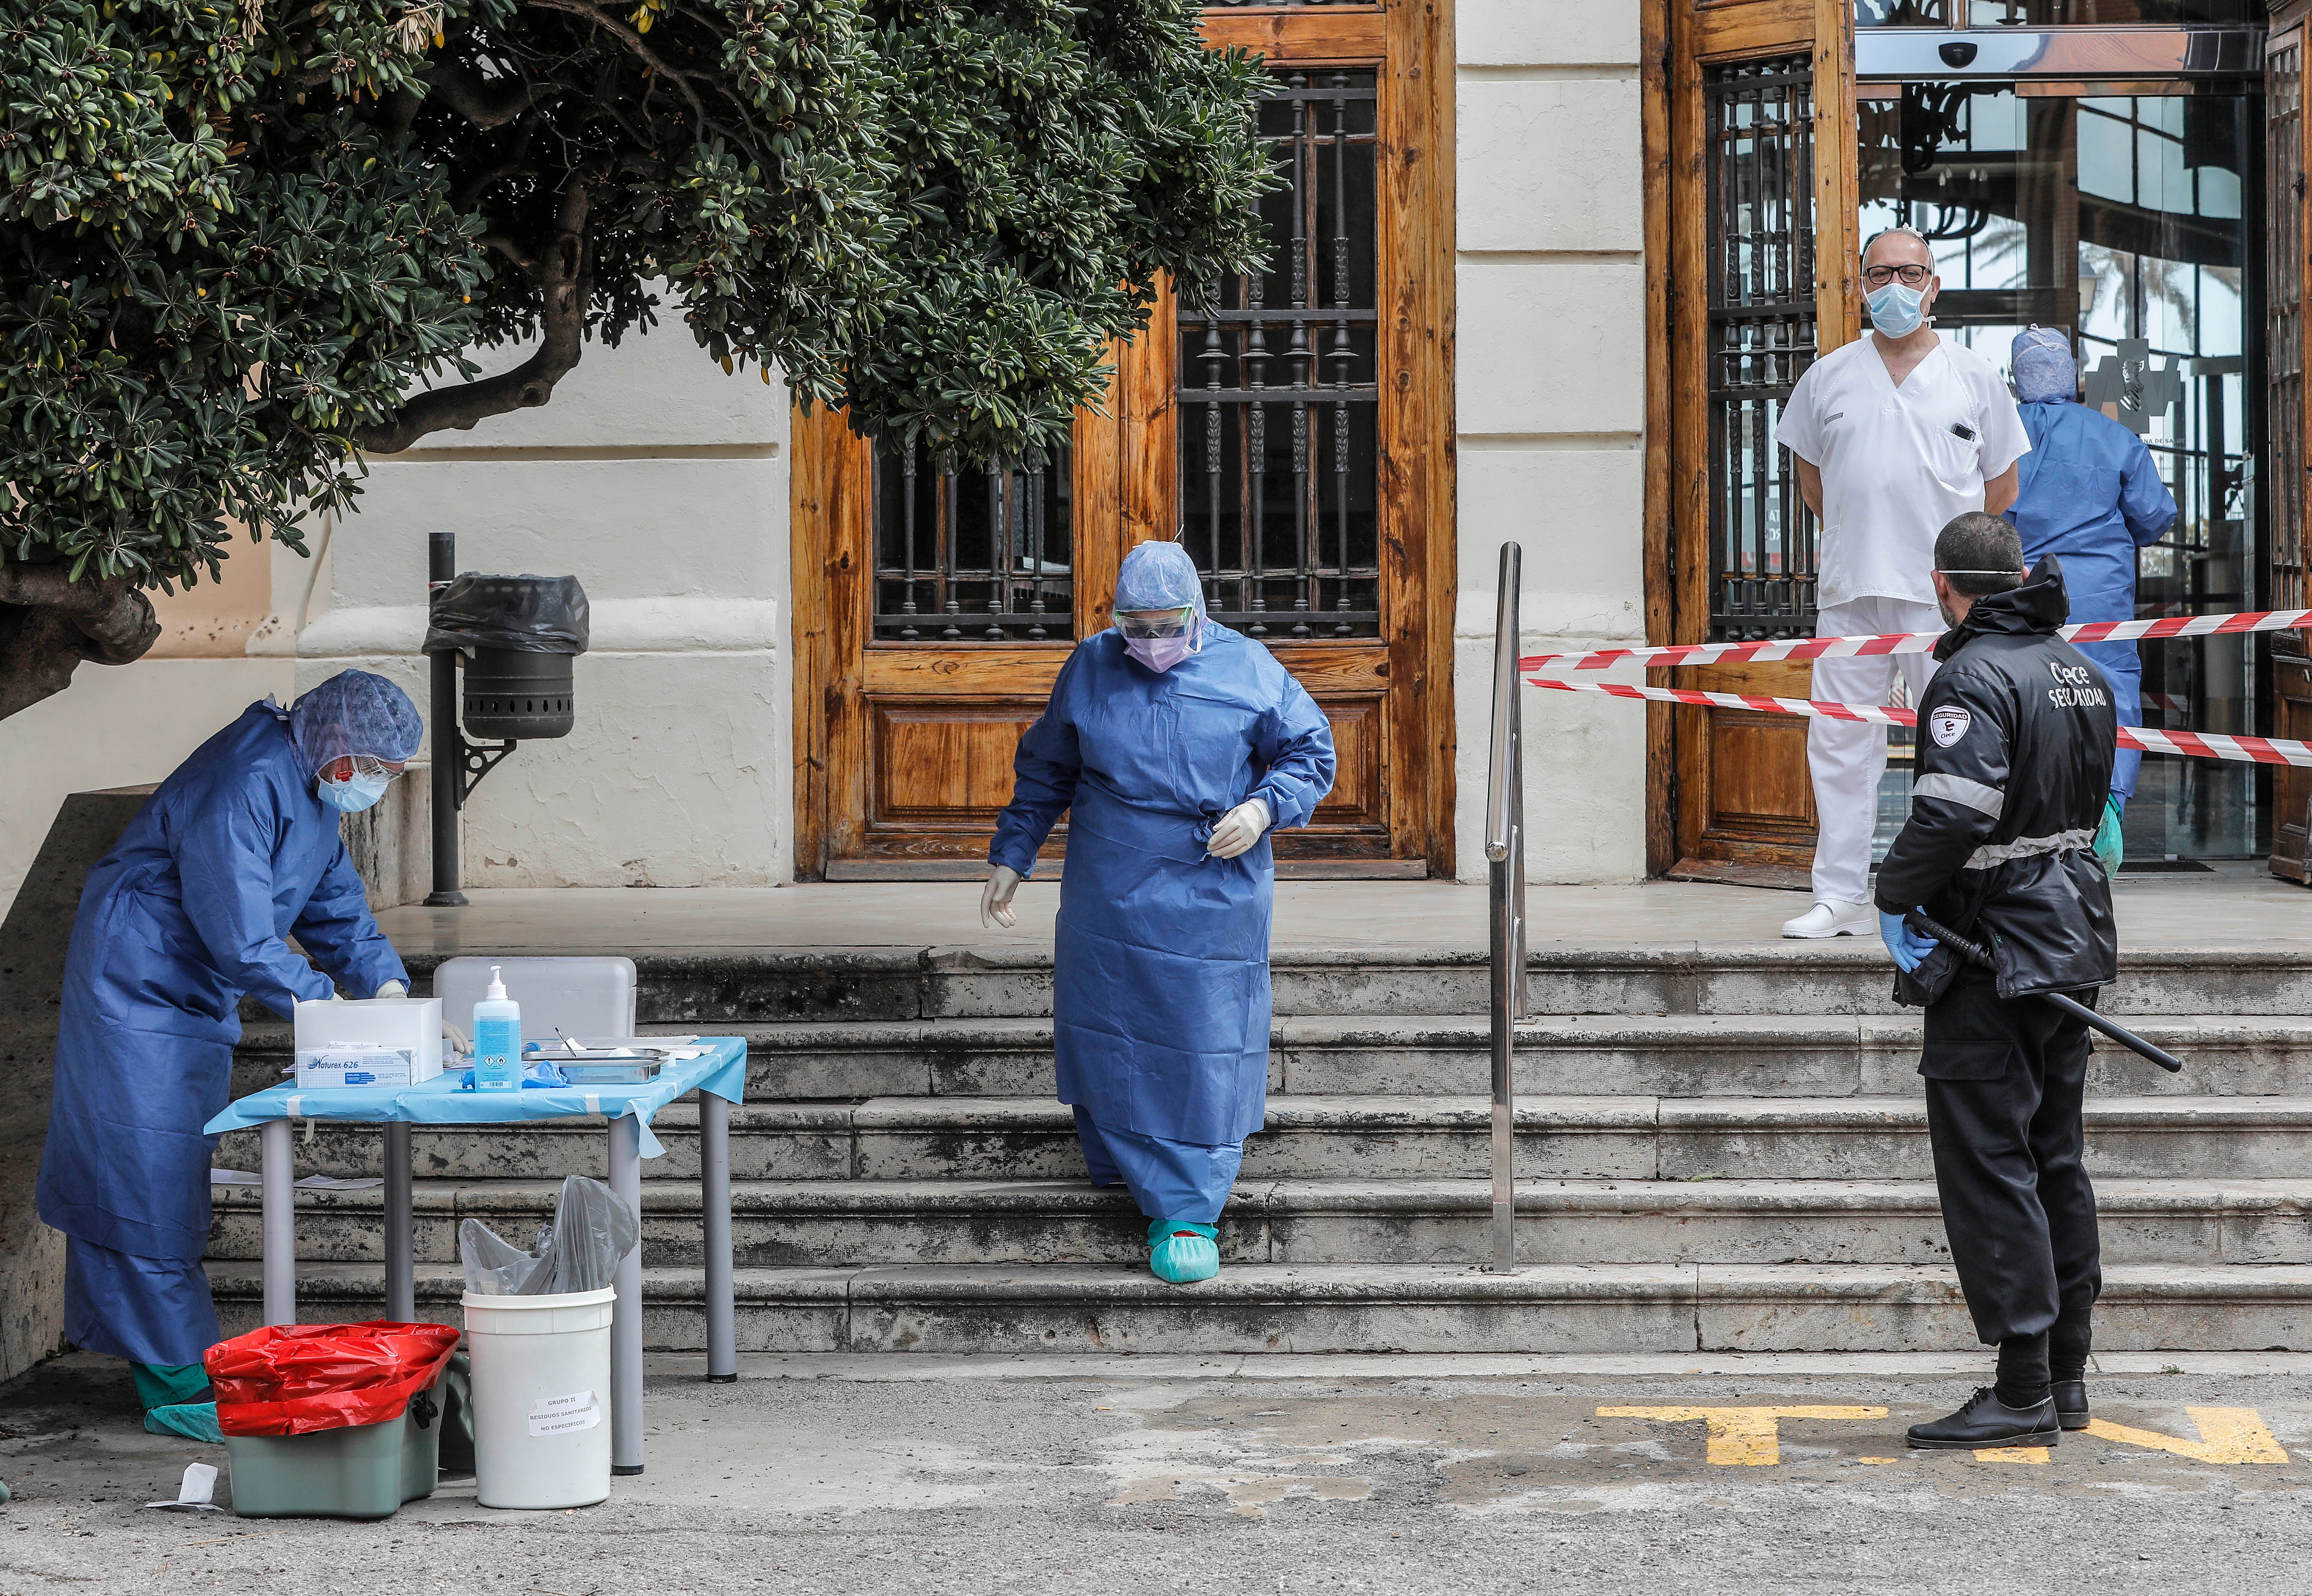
[[497, 1039]]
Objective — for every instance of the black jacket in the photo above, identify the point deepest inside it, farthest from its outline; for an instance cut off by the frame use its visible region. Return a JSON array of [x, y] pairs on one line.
[[2015, 742]]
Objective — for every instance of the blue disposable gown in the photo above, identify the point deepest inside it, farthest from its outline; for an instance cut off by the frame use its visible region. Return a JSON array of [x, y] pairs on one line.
[[233, 854], [2090, 494], [1160, 1007]]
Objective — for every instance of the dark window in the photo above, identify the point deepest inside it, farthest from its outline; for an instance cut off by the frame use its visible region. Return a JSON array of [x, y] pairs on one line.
[[1279, 391], [2049, 13], [2284, 354], [972, 555], [1759, 166]]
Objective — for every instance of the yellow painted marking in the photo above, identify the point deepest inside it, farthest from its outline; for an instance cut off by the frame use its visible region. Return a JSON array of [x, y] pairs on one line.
[[1740, 1437], [2010, 1454], [1878, 1460], [2227, 1435]]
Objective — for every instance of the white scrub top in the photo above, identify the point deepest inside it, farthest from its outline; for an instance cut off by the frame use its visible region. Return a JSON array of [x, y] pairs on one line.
[[1894, 468]]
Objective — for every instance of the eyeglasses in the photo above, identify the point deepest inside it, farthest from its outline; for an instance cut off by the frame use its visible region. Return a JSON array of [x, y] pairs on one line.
[[1912, 277], [354, 767], [1169, 624]]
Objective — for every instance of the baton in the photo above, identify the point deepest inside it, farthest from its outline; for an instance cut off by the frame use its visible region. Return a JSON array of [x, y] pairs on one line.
[[1973, 953]]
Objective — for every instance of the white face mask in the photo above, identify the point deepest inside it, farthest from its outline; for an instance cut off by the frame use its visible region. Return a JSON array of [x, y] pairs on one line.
[[355, 794], [1896, 310]]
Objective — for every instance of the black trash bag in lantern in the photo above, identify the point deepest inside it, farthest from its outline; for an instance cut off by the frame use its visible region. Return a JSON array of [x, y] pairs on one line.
[[519, 635]]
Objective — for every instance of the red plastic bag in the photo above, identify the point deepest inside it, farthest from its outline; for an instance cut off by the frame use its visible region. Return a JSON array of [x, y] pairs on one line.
[[295, 1380]]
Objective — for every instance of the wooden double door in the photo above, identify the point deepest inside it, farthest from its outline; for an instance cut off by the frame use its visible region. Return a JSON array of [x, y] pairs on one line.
[[1775, 146], [1292, 428]]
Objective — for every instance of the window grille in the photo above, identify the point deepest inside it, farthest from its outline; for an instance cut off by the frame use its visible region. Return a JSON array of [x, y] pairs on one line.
[[1279, 391], [968, 555], [1759, 167], [2283, 486]]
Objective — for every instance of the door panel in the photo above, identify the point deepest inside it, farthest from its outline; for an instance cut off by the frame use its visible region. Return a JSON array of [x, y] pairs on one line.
[[1760, 218], [1293, 428]]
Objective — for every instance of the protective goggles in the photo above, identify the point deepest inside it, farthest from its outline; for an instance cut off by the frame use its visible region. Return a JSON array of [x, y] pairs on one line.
[[1171, 624], [361, 768]]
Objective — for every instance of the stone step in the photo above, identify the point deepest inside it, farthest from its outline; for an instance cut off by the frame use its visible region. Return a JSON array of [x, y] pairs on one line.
[[1633, 1138], [1349, 1220], [1074, 1307], [1845, 976], [1665, 1056]]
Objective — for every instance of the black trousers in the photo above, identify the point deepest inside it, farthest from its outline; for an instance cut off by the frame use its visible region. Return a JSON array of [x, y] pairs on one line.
[[2004, 1086]]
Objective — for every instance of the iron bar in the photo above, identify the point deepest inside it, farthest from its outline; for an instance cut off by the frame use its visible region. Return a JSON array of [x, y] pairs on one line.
[[1036, 630], [908, 533], [999, 548], [950, 584]]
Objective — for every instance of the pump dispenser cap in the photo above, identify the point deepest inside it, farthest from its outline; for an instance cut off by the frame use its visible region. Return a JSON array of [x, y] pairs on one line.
[[497, 987]]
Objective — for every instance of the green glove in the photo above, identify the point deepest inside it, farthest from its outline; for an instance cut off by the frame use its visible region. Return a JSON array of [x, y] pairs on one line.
[[2110, 846]]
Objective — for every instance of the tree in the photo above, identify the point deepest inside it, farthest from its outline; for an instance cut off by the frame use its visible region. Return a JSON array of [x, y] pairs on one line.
[[244, 242]]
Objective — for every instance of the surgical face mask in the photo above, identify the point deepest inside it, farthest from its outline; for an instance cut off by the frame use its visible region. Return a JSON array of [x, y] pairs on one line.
[[1160, 654], [1896, 310], [353, 794]]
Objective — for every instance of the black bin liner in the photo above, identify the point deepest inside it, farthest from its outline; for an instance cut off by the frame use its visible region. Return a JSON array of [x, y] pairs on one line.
[[519, 635], [525, 614]]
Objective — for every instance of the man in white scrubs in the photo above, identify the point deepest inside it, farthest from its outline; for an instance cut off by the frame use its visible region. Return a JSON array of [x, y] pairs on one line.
[[1895, 434]]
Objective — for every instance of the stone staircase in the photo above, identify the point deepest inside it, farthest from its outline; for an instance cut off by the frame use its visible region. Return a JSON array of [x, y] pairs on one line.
[[1717, 1150]]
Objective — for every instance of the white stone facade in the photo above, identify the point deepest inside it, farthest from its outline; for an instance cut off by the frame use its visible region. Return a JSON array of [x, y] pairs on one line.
[[662, 484]]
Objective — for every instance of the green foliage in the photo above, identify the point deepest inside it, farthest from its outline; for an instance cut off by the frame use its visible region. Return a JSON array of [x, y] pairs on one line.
[[247, 240]]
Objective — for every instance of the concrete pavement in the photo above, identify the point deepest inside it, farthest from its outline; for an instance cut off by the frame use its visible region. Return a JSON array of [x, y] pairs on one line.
[[1261, 1474]]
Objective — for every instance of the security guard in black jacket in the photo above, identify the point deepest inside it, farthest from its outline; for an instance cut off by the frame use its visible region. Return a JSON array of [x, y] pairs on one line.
[[2015, 740]]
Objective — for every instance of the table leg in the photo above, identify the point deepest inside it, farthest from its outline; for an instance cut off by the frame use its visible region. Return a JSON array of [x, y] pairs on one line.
[[400, 1252], [626, 1323], [278, 1173], [715, 1198]]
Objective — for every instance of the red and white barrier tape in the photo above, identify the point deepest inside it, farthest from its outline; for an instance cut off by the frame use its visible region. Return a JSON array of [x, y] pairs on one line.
[[2206, 745], [1818, 648]]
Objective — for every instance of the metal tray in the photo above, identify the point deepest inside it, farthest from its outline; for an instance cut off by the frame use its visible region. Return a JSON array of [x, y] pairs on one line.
[[609, 1072]]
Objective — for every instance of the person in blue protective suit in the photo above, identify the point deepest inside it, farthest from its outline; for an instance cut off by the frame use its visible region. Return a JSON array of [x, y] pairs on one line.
[[2091, 494], [235, 853], [1174, 746]]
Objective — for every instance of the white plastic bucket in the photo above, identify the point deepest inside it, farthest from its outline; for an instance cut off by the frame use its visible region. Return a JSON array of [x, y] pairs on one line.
[[541, 1398]]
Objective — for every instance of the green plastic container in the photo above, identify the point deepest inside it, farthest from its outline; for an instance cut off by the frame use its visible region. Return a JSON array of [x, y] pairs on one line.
[[365, 1471]]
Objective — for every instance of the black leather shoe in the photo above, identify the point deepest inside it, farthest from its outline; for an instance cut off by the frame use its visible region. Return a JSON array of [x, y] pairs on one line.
[[1986, 1421], [2070, 1399]]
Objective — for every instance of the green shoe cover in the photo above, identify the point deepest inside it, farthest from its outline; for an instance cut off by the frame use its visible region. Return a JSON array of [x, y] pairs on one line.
[[195, 1421], [1183, 1253]]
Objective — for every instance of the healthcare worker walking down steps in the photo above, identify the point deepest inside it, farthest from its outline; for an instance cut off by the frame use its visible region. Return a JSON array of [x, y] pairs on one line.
[[236, 851], [1174, 746], [2091, 494]]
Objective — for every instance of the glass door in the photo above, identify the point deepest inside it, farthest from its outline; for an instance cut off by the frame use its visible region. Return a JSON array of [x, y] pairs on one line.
[[2120, 219]]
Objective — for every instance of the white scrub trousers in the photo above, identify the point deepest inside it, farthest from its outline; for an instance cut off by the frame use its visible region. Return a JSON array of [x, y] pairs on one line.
[[1847, 757]]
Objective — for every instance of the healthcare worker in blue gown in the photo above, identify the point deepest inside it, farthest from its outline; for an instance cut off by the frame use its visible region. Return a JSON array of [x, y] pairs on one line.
[[235, 853], [2089, 493], [1174, 746]]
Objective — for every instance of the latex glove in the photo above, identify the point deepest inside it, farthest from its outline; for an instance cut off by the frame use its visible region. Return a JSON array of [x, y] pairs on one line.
[[1239, 829], [2110, 846], [393, 989], [995, 897], [1909, 949]]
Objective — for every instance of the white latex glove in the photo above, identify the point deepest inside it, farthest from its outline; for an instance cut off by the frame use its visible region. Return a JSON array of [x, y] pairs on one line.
[[1239, 829], [393, 989], [995, 897]]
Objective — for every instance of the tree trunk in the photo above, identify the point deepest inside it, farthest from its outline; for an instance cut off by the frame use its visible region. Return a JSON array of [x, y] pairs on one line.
[[48, 626]]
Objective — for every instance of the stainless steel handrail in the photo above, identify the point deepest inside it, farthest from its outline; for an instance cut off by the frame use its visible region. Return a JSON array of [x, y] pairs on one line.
[[1505, 872]]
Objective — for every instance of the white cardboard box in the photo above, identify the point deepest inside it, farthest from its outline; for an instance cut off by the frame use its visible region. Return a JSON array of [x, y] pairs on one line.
[[354, 1066], [409, 1024]]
